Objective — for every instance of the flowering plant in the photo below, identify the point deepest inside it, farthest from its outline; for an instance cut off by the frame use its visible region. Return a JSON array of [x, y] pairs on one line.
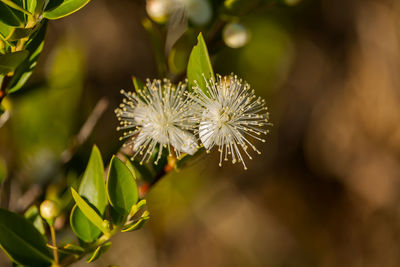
[[164, 123]]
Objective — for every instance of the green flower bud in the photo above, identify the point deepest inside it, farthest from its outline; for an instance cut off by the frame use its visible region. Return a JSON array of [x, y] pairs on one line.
[[49, 210]]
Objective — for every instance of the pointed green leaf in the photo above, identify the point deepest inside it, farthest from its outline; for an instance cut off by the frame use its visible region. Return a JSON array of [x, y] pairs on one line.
[[98, 252], [16, 7], [199, 64], [93, 186], [64, 8], [122, 190], [8, 16], [9, 62], [93, 189], [89, 212], [21, 241]]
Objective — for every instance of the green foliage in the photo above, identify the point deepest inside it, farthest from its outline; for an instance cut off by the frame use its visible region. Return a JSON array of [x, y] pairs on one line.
[[122, 190], [10, 62], [9, 16], [32, 214], [89, 212], [199, 64], [98, 252], [92, 188], [61, 8], [22, 241]]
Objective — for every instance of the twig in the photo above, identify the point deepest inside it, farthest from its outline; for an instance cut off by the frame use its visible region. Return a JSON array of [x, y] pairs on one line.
[[86, 130]]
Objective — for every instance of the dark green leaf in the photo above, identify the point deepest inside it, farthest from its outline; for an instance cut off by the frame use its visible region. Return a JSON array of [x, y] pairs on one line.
[[65, 8], [8, 16], [32, 214], [93, 189], [24, 71], [82, 227], [17, 6], [89, 212], [22, 242], [199, 64], [98, 252], [9, 62], [122, 190]]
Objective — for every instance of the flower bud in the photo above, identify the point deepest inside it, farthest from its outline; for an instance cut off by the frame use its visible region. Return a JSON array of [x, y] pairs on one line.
[[49, 210], [199, 11], [235, 35], [158, 10]]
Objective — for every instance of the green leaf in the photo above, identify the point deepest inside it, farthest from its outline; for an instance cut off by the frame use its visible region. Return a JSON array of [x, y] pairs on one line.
[[32, 214], [5, 31], [89, 212], [137, 84], [21, 241], [98, 252], [93, 189], [8, 16], [72, 249], [65, 8], [15, 6], [136, 225], [9, 62], [24, 71], [122, 190], [93, 186], [83, 227], [19, 33], [199, 64]]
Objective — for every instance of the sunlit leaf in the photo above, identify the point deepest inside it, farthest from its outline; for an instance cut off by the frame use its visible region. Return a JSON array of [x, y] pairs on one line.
[[9, 62], [64, 8], [98, 252], [122, 190], [93, 189], [199, 65], [89, 212]]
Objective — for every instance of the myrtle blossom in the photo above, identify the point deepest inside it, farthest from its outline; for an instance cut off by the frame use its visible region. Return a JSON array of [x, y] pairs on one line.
[[231, 116], [159, 115]]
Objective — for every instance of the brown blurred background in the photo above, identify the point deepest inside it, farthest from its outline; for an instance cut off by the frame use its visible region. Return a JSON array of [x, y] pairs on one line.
[[325, 191]]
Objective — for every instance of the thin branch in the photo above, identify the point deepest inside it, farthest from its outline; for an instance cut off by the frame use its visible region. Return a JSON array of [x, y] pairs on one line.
[[86, 130]]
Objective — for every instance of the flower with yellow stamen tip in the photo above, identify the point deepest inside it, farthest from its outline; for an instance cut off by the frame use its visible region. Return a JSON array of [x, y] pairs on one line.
[[160, 115], [232, 115]]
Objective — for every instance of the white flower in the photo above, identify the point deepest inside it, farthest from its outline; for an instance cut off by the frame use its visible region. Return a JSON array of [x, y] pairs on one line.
[[160, 115], [231, 115]]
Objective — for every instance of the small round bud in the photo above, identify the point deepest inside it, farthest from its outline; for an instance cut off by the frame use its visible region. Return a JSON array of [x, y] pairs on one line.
[[235, 35], [158, 10], [199, 11], [49, 210]]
